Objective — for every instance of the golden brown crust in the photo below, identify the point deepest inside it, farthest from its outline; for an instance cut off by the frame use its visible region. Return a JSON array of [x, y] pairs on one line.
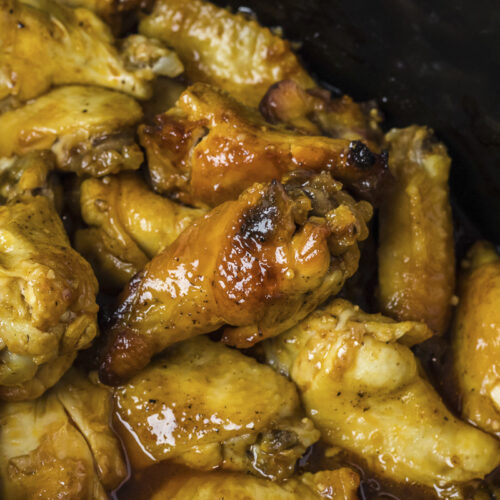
[[258, 264], [209, 148]]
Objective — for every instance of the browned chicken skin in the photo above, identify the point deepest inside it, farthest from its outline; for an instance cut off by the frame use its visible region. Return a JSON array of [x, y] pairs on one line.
[[259, 264], [209, 148]]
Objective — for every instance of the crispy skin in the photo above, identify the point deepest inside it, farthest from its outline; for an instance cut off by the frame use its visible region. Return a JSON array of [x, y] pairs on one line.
[[476, 338], [209, 148], [416, 256], [89, 129], [178, 409], [227, 50], [129, 224], [47, 309], [259, 264], [364, 391], [340, 484], [44, 454], [44, 43], [315, 112]]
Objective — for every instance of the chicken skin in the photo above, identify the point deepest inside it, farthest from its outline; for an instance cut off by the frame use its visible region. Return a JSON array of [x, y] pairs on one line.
[[209, 148], [476, 338], [47, 307], [366, 393], [416, 255], [340, 484], [227, 50], [44, 453], [258, 265], [89, 129], [45, 43], [205, 405], [315, 112], [129, 224]]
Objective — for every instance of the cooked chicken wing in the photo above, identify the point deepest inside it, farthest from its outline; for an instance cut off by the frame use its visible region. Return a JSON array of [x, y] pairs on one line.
[[206, 405], [314, 112], [228, 50], [259, 264], [209, 148], [340, 484], [416, 256], [47, 306], [129, 224], [44, 43], [476, 338], [89, 129], [365, 392], [44, 454]]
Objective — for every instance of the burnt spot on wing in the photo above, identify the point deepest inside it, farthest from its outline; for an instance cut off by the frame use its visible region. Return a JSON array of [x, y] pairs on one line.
[[360, 155]]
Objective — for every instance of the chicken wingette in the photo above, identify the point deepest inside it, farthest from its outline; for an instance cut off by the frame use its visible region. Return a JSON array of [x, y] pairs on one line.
[[90, 130], [476, 338], [129, 224], [205, 405], [209, 148], [44, 43], [416, 253], [315, 112], [228, 50], [339, 484], [60, 445], [47, 305], [366, 393], [258, 265]]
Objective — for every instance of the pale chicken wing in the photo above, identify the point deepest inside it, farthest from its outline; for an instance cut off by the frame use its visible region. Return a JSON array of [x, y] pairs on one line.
[[258, 264], [366, 393], [209, 148]]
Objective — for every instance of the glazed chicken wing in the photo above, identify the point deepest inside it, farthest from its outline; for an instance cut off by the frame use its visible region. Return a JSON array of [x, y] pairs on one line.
[[208, 406], [44, 43], [224, 49], [315, 112], [89, 129], [416, 256], [47, 306], [258, 264], [44, 454], [476, 338], [340, 484], [129, 224], [365, 392], [209, 148]]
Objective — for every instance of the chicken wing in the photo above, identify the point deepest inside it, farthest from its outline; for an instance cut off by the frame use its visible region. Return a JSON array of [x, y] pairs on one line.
[[47, 306], [340, 484], [416, 256], [43, 454], [89, 129], [206, 405], [314, 112], [209, 148], [259, 264], [228, 50], [366, 393], [44, 43], [476, 338], [129, 224]]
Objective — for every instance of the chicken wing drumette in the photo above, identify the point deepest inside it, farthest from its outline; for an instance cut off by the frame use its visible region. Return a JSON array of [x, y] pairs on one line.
[[90, 130], [258, 264], [205, 405], [366, 393], [209, 148], [476, 338], [129, 224], [228, 50], [45, 43]]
